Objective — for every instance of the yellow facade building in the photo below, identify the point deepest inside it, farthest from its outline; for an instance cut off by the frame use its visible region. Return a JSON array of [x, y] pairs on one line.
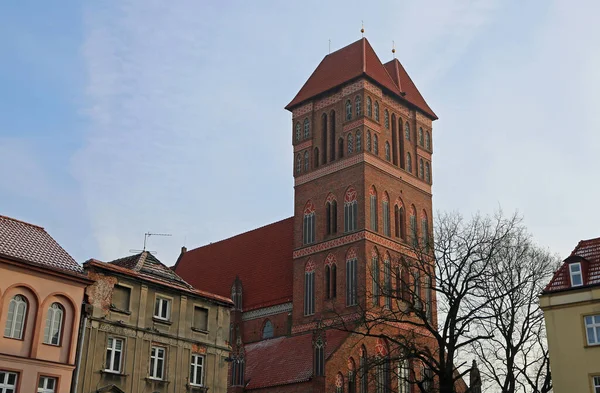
[[571, 305]]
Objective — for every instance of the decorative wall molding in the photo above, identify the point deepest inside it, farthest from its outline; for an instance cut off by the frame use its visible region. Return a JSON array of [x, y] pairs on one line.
[[365, 121], [267, 311], [303, 110], [328, 169], [304, 145], [398, 173]]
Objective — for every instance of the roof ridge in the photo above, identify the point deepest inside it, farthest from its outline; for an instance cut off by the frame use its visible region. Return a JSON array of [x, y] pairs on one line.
[[22, 222], [140, 262]]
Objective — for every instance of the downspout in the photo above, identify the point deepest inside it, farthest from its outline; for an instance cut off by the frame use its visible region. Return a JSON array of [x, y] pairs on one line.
[[82, 328]]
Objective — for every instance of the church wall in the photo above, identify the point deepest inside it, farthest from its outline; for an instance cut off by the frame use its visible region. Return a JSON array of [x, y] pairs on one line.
[[253, 329]]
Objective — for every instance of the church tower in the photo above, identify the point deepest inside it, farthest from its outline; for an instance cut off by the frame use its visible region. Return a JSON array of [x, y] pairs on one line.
[[362, 145]]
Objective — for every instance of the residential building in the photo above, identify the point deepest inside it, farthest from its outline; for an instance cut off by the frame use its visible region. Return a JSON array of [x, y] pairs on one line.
[[150, 331], [571, 305], [362, 153], [41, 293]]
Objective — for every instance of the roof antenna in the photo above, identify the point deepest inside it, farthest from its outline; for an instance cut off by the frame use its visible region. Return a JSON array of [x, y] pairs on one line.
[[330, 46], [362, 28], [394, 49], [146, 236]]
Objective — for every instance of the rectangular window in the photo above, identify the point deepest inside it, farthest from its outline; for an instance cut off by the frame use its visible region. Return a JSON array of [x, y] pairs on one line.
[[596, 384], [8, 382], [157, 362], [46, 385], [197, 370], [162, 308], [201, 318], [576, 278], [114, 355], [592, 329], [120, 297], [351, 282]]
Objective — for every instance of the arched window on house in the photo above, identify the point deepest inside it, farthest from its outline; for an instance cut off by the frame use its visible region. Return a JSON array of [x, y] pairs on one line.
[[425, 230], [341, 147], [375, 145], [316, 158], [306, 128], [373, 208], [386, 119], [339, 383], [413, 226], [298, 132], [309, 223], [15, 320], [376, 111], [421, 168], [364, 370], [407, 131], [348, 110], [403, 372], [427, 172], [351, 261], [298, 163], [427, 140], [408, 162], [421, 137], [54, 320], [267, 330], [306, 161], [375, 276], [387, 151], [368, 140], [319, 357], [387, 281], [358, 141], [309, 288], [350, 143], [358, 105], [385, 210], [350, 210], [351, 376], [369, 107], [331, 214]]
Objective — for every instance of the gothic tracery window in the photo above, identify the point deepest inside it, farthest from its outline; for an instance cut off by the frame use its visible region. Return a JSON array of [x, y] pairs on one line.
[[351, 261], [306, 128], [407, 131], [408, 162], [358, 141], [375, 145], [358, 105], [350, 143], [369, 107], [386, 119], [376, 111], [309, 223], [298, 132], [309, 288], [387, 151], [368, 140], [350, 210], [348, 110]]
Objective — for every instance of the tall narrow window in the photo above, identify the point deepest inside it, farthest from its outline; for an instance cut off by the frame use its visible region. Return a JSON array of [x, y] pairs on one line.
[[407, 131], [428, 298], [394, 141], [15, 320], [427, 141], [364, 371], [387, 151], [324, 134], [417, 295], [331, 213], [358, 105], [421, 137], [427, 173], [309, 223], [375, 275], [368, 140], [306, 162], [339, 383], [316, 158], [408, 162], [197, 370], [387, 281], [369, 107], [8, 382], [421, 169], [306, 128], [385, 207], [327, 281], [373, 209], [53, 326], [237, 371], [157, 362], [114, 355], [332, 134], [298, 132], [333, 281], [328, 218], [427, 377], [413, 227], [376, 111], [351, 278], [386, 119], [351, 376], [267, 330], [298, 163], [375, 145], [425, 230], [399, 220], [348, 110], [350, 210], [319, 357], [576, 277], [341, 147], [45, 385], [162, 308], [358, 141], [309, 288], [350, 143], [403, 376]]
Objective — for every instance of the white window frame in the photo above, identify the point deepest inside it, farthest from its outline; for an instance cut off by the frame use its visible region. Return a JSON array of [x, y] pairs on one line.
[[44, 382], [51, 330], [592, 322], [4, 386], [574, 274], [113, 352], [195, 365], [154, 368], [596, 382], [12, 321], [162, 300]]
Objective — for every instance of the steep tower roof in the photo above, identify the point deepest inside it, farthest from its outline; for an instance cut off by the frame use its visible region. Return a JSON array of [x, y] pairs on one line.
[[356, 60]]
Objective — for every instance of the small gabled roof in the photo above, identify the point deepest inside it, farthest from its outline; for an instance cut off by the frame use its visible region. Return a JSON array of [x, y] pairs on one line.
[[110, 389], [407, 87], [32, 244], [586, 251]]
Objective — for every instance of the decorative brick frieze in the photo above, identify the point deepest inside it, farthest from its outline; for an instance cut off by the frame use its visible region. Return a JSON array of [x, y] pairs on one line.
[[373, 89], [330, 100], [424, 119], [353, 87], [330, 168], [397, 172], [267, 311], [326, 323], [304, 145], [422, 152], [303, 110]]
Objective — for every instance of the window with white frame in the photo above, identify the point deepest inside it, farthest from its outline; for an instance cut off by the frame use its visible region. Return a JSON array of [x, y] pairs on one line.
[[15, 321], [576, 277], [8, 382], [114, 355], [46, 385], [592, 329], [403, 376], [162, 308], [597, 384], [157, 362], [53, 324], [197, 370]]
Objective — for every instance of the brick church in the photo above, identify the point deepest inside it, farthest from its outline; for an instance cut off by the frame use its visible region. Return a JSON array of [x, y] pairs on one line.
[[362, 151]]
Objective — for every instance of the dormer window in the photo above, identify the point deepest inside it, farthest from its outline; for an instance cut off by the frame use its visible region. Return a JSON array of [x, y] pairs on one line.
[[576, 277]]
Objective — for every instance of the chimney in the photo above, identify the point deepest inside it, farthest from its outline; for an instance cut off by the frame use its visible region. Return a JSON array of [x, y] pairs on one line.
[[183, 249]]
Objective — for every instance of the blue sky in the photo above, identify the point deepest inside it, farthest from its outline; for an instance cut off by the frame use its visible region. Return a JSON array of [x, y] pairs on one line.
[[118, 118]]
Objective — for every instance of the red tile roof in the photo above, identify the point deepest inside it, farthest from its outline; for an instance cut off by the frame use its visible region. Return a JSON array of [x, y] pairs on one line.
[[353, 61], [406, 85], [285, 360], [261, 258], [31, 243], [587, 252]]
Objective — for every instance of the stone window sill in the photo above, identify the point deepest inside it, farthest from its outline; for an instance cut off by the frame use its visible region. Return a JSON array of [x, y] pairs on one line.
[[115, 373], [163, 321], [118, 310], [199, 330]]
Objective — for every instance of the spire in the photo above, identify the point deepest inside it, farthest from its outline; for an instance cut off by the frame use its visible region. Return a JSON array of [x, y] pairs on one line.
[[475, 378]]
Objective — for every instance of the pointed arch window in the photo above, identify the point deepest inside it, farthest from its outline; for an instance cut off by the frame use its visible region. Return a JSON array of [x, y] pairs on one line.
[[316, 158], [375, 145], [368, 140], [425, 230], [306, 161], [375, 275], [421, 137], [351, 376], [407, 131], [267, 330], [350, 210], [298, 132], [348, 110], [324, 145], [421, 169], [427, 173], [417, 295], [376, 111], [427, 140], [350, 143], [373, 209], [237, 371], [341, 147], [385, 207], [386, 119], [309, 223], [413, 227], [339, 383], [382, 374], [387, 151], [364, 371], [358, 141], [399, 220], [408, 162], [358, 105], [332, 134], [319, 357], [54, 320], [309, 288], [428, 298], [298, 163], [327, 282], [387, 281], [351, 278], [369, 107], [331, 214], [403, 376], [306, 128], [426, 378], [15, 321]]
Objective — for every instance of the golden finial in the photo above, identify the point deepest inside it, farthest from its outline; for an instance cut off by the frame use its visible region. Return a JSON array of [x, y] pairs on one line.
[[394, 49], [362, 28]]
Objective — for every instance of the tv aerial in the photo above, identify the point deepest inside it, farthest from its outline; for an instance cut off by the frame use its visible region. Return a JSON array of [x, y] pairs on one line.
[[146, 236]]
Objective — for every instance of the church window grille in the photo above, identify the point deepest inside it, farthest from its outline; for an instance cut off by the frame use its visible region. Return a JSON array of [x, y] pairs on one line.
[[375, 145], [358, 141], [427, 140], [385, 206], [306, 161], [309, 288], [368, 140], [309, 223], [427, 172], [386, 119], [376, 111], [408, 162], [413, 227], [369, 107], [387, 281], [298, 132], [319, 357], [421, 137], [373, 209], [306, 128], [350, 143], [358, 105], [421, 169], [387, 151], [351, 279], [375, 274], [350, 211], [348, 110], [298, 163], [407, 131]]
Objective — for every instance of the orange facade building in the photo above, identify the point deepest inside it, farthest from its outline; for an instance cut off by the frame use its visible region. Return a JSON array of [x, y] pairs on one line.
[[41, 293]]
